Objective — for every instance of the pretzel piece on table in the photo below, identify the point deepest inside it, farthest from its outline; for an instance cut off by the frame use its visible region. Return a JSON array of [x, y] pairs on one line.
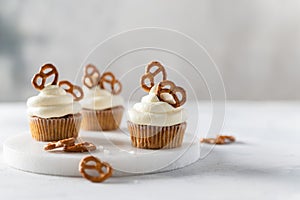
[[80, 147], [220, 139], [60, 143]]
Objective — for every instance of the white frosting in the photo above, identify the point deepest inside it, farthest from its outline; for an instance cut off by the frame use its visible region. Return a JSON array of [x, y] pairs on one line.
[[152, 111], [99, 99], [53, 101]]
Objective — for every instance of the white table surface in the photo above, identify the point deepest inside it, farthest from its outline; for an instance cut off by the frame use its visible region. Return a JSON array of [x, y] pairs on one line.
[[263, 164]]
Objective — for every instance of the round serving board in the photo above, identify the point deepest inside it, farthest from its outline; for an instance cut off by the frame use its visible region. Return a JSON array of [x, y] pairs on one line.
[[114, 147]]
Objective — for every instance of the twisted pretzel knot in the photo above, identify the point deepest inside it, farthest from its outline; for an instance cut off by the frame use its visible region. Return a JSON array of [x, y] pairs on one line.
[[115, 85], [151, 75], [84, 164], [91, 76], [60, 143], [44, 76], [168, 87], [220, 139], [70, 88]]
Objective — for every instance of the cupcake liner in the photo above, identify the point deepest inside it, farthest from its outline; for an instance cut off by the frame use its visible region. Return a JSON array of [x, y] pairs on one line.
[[102, 120], [53, 129], [156, 137]]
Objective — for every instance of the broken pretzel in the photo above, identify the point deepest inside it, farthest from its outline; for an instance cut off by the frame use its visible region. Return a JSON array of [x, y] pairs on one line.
[[60, 143], [80, 147], [69, 145], [220, 139]]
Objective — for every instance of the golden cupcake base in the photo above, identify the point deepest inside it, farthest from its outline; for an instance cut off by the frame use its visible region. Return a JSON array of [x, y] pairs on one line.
[[53, 129], [156, 137], [102, 120]]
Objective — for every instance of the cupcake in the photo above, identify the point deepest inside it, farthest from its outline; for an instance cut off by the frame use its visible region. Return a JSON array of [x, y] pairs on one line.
[[102, 106], [54, 114], [159, 120]]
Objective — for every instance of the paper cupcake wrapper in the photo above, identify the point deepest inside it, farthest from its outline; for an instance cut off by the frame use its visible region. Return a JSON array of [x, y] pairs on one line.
[[102, 120], [156, 137], [53, 129]]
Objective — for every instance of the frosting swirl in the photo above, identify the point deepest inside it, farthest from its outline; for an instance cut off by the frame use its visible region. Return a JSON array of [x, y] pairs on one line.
[[53, 101], [99, 99], [152, 111]]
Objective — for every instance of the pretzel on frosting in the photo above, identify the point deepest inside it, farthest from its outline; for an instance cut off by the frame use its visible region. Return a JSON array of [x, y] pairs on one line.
[[92, 78], [115, 85], [164, 87], [85, 164], [43, 75], [168, 87], [70, 88], [151, 75]]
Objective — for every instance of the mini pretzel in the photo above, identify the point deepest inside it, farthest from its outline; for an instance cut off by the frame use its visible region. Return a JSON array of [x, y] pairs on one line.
[[44, 76], [83, 166], [92, 78], [80, 147], [150, 75], [60, 143], [109, 78], [169, 87], [71, 89], [220, 139]]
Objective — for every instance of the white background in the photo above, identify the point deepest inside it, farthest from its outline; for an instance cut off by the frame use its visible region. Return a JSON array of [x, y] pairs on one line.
[[256, 44]]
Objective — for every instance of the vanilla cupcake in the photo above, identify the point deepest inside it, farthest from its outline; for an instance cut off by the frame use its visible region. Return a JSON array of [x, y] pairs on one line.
[[102, 108], [54, 114], [159, 120]]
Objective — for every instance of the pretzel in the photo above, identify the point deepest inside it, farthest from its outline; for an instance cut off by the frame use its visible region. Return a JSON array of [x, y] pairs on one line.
[[71, 89], [83, 166], [220, 139], [70, 146], [92, 78], [169, 87], [44, 76], [109, 77], [80, 147], [60, 143], [150, 75]]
